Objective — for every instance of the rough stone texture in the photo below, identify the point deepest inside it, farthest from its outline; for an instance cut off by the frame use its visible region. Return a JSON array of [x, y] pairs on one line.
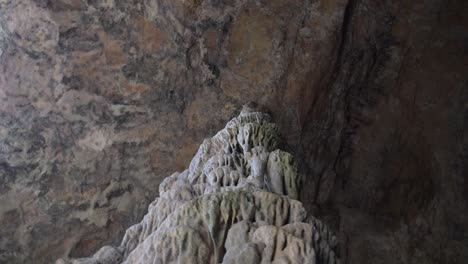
[[228, 208], [99, 100]]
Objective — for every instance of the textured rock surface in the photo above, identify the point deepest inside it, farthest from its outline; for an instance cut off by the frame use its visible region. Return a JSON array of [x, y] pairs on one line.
[[228, 207], [99, 100]]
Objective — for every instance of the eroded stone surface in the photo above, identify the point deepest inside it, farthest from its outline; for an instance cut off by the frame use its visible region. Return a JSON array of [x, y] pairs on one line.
[[101, 99], [233, 210]]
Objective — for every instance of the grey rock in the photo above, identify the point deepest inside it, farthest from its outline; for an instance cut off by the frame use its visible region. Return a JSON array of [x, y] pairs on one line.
[[238, 220]]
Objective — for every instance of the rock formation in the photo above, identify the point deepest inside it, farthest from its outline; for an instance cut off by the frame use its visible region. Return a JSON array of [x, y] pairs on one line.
[[100, 100], [236, 204]]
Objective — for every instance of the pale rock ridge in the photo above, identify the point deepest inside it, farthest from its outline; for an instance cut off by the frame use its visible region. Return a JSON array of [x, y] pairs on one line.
[[236, 204]]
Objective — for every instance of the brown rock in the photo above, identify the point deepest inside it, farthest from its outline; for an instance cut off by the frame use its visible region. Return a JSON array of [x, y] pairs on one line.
[[149, 37], [370, 95]]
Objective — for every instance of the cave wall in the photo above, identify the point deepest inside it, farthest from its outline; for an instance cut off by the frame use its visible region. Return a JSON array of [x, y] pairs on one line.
[[100, 100], [389, 168]]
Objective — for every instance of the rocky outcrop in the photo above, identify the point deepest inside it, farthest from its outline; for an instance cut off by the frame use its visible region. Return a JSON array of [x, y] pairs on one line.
[[237, 203], [99, 100]]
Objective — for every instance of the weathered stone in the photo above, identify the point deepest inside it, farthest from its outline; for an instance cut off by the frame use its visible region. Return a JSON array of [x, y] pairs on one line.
[[101, 99], [212, 219]]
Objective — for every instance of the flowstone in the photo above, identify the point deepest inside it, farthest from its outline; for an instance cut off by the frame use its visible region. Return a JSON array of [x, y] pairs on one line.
[[236, 204]]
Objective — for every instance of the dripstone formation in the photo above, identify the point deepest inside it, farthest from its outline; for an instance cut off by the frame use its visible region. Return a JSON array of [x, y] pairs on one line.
[[237, 203]]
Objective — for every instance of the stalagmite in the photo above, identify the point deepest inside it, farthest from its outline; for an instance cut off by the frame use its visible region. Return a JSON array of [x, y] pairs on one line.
[[236, 204]]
